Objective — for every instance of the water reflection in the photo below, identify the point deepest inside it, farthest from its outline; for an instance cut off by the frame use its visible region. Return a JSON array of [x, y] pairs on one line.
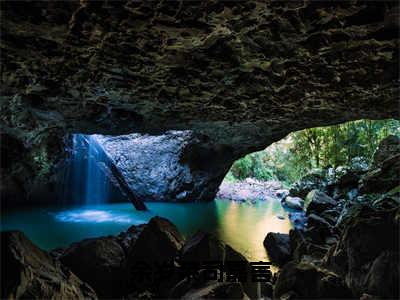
[[243, 226]]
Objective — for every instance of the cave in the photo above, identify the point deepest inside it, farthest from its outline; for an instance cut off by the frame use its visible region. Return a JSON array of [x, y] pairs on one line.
[[147, 105]]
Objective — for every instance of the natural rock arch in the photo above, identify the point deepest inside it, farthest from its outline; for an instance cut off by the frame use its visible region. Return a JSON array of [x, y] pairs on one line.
[[242, 74]]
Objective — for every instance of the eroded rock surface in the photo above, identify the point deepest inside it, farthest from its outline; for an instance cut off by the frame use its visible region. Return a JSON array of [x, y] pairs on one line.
[[244, 74], [167, 167], [31, 273]]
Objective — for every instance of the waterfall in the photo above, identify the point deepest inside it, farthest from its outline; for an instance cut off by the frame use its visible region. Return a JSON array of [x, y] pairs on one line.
[[87, 175]]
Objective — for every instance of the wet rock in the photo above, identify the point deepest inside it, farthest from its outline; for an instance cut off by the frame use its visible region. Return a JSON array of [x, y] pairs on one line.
[[294, 202], [317, 201], [99, 262], [318, 228], [308, 183], [298, 219], [29, 272], [304, 280], [174, 166], [282, 193], [303, 247], [278, 248]]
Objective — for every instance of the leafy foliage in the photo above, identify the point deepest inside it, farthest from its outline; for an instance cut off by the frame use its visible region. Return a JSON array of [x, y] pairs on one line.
[[302, 151]]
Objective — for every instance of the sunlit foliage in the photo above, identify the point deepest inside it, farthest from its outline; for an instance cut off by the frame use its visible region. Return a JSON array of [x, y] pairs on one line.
[[304, 150]]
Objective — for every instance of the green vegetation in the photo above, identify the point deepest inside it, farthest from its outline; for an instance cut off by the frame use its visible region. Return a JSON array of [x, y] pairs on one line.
[[302, 151]]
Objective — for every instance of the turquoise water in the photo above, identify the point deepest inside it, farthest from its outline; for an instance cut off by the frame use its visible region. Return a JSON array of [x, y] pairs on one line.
[[243, 226]]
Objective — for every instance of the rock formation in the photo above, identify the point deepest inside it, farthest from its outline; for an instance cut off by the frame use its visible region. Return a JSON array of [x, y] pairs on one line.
[[242, 73], [30, 273]]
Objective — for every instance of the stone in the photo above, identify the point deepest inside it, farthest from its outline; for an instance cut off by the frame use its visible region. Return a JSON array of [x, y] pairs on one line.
[[294, 202], [158, 244], [367, 242], [219, 290], [383, 178], [203, 247], [278, 248], [308, 183], [227, 70], [160, 241], [317, 201], [388, 147], [282, 193], [307, 281], [29, 272], [383, 276], [99, 262], [170, 167]]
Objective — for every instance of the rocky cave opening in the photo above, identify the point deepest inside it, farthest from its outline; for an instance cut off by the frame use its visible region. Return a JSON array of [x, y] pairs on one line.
[[152, 102]]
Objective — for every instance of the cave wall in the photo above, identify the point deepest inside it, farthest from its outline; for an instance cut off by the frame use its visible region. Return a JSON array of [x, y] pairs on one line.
[[242, 73]]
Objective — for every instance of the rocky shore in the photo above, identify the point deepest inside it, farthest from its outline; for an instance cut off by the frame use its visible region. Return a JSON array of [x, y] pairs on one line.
[[346, 242]]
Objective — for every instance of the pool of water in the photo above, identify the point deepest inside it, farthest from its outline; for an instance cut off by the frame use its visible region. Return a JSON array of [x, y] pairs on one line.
[[241, 225]]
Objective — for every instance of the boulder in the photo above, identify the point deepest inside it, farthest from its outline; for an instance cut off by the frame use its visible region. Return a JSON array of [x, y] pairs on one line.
[[317, 201], [127, 238], [318, 229], [388, 147], [384, 178], [294, 202], [31, 273], [99, 262], [368, 240], [304, 280], [203, 247], [174, 166], [157, 245], [306, 184], [278, 248]]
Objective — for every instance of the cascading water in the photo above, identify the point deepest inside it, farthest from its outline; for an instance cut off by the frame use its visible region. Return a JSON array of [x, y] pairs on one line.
[[87, 173]]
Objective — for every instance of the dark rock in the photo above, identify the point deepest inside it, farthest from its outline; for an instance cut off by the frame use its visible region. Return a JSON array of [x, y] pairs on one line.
[[158, 244], [383, 276], [308, 183], [99, 262], [383, 178], [318, 228], [317, 201], [218, 290], [129, 237], [294, 202], [367, 235], [298, 219], [203, 247], [29, 272], [387, 148], [278, 248], [307, 281]]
